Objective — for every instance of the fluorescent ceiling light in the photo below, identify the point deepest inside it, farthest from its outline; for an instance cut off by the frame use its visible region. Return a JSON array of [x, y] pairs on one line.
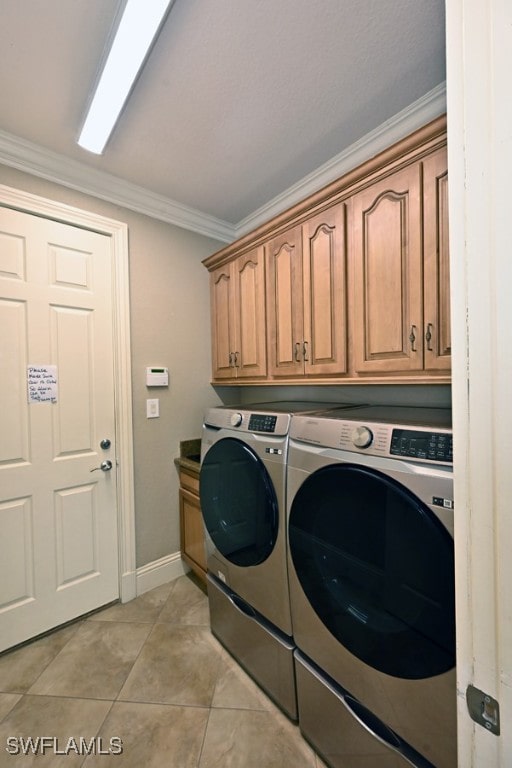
[[138, 28]]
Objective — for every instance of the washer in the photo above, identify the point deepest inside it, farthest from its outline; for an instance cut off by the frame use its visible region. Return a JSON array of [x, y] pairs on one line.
[[242, 491], [371, 570]]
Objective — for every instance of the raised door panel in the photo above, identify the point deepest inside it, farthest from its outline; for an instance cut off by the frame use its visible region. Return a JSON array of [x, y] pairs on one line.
[[14, 435], [388, 312], [436, 263], [285, 334], [192, 532], [250, 346], [222, 314], [325, 297]]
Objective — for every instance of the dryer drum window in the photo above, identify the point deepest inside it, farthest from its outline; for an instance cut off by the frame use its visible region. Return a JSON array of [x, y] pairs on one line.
[[238, 503], [377, 567]]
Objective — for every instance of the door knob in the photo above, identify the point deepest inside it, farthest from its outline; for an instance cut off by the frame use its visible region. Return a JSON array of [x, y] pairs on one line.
[[105, 466], [105, 443]]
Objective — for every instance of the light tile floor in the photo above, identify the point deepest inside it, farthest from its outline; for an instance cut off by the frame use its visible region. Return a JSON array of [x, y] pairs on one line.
[[151, 674]]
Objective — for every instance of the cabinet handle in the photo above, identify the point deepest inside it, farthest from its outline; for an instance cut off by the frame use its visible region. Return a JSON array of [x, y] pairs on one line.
[[236, 359], [305, 351], [428, 336], [297, 352], [231, 360], [412, 338]]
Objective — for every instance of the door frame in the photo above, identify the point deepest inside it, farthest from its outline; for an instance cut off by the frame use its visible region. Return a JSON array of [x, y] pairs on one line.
[[118, 237]]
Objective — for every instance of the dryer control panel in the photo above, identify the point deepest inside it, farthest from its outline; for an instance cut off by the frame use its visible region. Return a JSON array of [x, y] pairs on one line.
[[259, 422], [430, 446], [405, 438]]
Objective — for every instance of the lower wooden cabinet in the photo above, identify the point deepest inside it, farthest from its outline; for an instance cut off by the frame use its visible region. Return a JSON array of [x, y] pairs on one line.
[[191, 523]]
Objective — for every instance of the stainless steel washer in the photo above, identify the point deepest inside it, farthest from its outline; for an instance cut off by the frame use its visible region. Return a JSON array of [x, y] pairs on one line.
[[371, 569], [242, 492]]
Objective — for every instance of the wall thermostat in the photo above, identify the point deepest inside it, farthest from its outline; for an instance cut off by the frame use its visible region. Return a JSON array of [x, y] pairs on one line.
[[157, 377]]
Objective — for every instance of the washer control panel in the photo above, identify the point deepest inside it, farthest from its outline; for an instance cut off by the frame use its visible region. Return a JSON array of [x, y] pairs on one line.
[[245, 421]]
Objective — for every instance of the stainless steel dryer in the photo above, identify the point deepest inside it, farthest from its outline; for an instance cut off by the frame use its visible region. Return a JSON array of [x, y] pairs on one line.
[[371, 569], [242, 491]]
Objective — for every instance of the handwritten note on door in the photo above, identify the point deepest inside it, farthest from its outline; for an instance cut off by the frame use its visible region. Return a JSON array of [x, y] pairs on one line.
[[42, 383]]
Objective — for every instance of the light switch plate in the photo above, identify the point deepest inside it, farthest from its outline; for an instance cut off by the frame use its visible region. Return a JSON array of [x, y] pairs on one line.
[[153, 408]]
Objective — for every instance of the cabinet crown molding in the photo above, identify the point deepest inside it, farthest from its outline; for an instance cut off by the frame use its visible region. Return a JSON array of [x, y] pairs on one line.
[[421, 142]]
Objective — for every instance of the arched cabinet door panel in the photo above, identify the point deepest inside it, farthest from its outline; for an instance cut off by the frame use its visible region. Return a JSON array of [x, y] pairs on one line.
[[387, 259]]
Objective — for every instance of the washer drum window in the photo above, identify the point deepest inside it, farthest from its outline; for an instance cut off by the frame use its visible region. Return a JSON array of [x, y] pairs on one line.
[[238, 503]]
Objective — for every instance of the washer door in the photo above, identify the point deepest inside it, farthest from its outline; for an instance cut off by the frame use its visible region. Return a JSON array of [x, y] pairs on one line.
[[377, 567], [238, 502]]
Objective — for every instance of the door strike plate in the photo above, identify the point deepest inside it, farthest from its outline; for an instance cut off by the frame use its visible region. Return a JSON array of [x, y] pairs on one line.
[[483, 709]]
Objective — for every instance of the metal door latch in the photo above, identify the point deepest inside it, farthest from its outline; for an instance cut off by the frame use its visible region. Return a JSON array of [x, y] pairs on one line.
[[483, 709]]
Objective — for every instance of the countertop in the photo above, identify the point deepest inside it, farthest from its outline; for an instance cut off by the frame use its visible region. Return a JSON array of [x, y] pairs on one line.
[[189, 458]]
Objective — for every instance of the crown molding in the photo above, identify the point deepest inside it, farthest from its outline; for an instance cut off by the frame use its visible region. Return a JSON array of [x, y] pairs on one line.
[[415, 116], [38, 161]]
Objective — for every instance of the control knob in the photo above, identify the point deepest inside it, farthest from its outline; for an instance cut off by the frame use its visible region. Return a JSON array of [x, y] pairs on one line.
[[236, 419], [362, 437]]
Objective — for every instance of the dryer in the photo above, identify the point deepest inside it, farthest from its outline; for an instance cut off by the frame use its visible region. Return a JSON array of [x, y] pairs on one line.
[[242, 486], [371, 571]]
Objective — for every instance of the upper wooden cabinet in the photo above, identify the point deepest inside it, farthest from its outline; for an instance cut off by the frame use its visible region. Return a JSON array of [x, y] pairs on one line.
[[386, 251], [436, 263], [400, 263], [306, 298], [237, 291], [347, 286], [284, 304]]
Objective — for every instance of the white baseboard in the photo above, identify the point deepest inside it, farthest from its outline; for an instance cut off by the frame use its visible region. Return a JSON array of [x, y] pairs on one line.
[[160, 572]]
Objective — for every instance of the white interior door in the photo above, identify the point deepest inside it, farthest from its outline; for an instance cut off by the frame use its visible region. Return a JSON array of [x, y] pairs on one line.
[[58, 521]]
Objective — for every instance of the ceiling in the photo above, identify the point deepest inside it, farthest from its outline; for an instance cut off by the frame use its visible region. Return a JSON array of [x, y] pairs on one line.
[[239, 99]]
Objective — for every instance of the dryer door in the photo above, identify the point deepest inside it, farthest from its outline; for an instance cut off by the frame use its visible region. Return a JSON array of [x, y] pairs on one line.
[[377, 567], [238, 502]]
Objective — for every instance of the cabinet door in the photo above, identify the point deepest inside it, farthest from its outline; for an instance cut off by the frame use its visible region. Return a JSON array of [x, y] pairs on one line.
[[436, 263], [388, 312], [250, 350], [223, 322], [284, 304], [325, 298], [192, 532]]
